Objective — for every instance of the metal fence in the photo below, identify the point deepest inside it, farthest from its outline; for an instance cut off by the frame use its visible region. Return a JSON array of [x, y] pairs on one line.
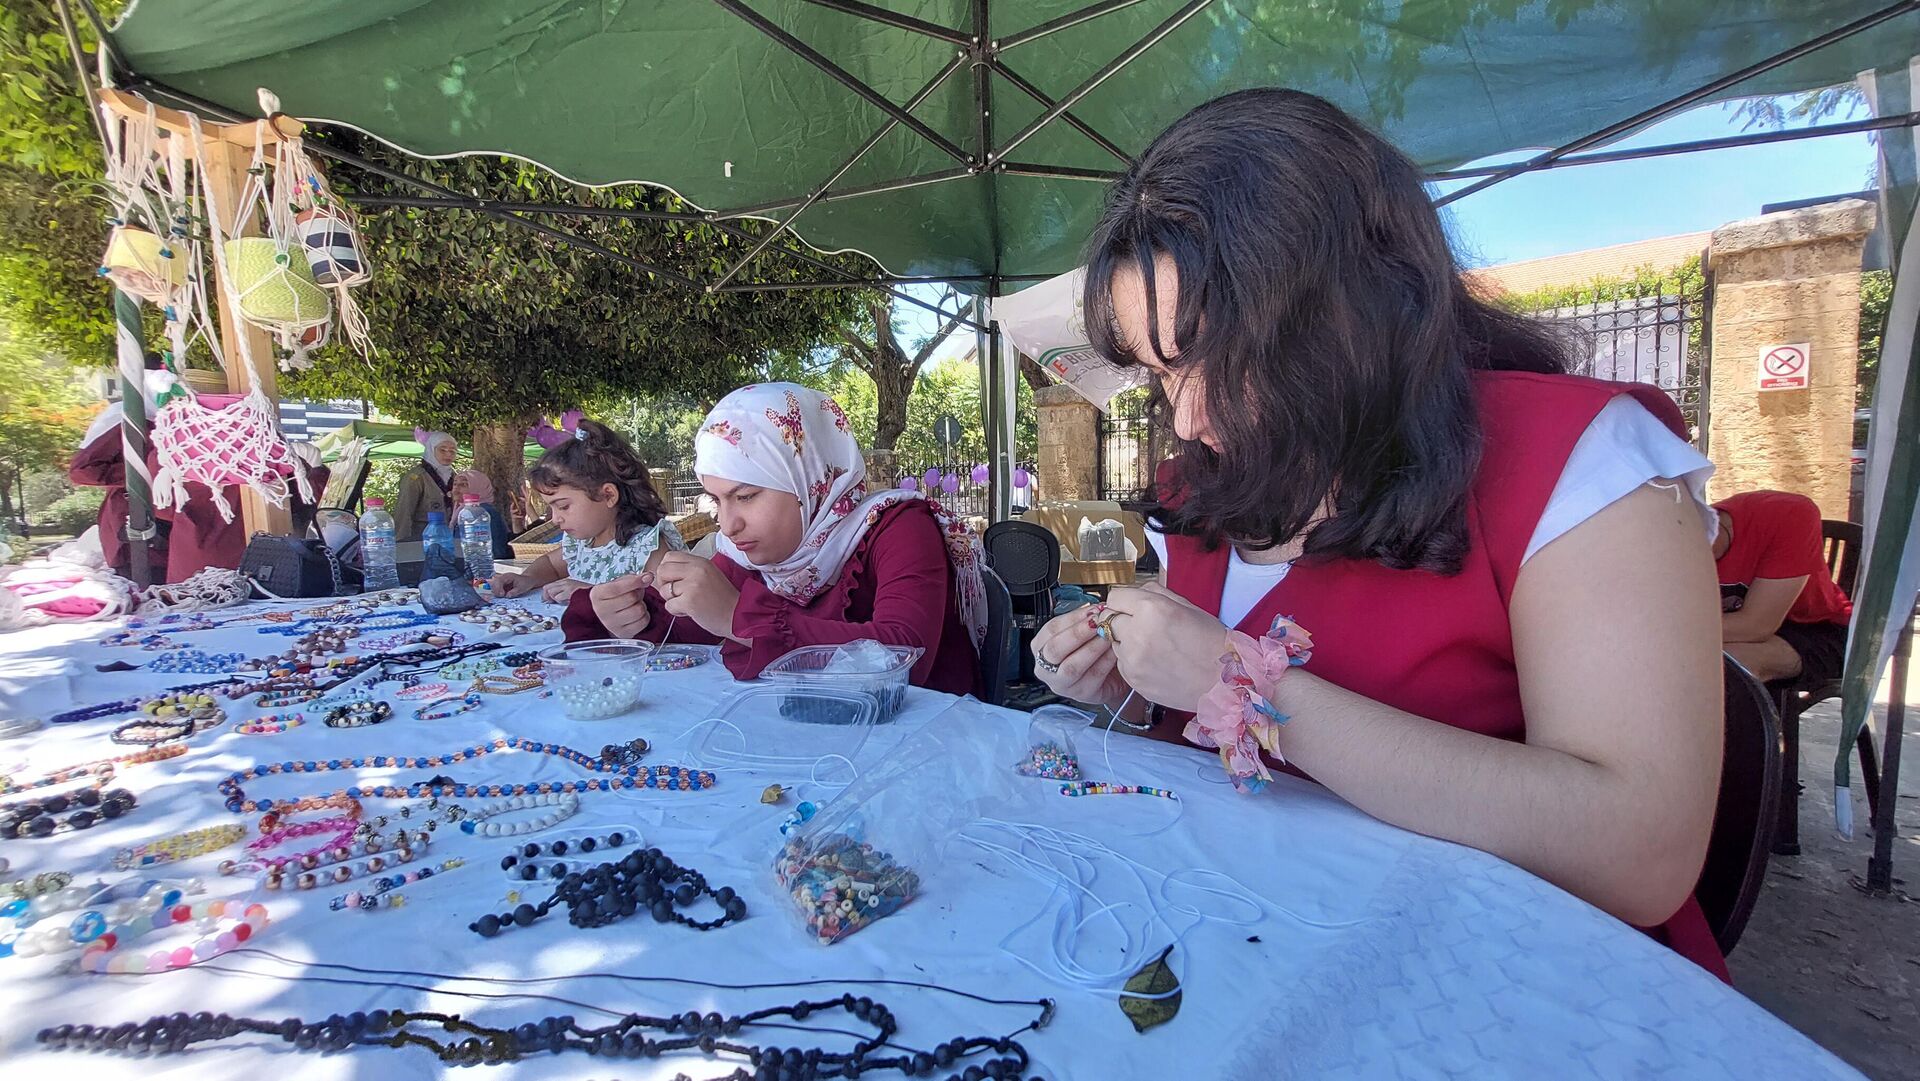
[[967, 500], [1658, 337], [1132, 446]]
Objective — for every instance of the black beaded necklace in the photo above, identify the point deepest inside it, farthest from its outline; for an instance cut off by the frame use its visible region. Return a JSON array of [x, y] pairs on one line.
[[645, 880], [465, 1043]]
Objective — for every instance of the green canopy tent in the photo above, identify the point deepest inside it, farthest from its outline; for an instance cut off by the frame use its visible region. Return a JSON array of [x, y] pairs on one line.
[[967, 140], [386, 441]]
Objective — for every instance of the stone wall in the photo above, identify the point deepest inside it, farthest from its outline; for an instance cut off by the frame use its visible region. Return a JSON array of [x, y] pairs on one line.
[[1069, 431], [1781, 279]]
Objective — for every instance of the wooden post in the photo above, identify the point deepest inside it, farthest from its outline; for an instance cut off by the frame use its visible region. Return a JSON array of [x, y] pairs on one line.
[[229, 153], [225, 169]]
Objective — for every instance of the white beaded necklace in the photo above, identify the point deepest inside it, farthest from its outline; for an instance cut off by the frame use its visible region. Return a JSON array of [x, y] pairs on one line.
[[564, 806]]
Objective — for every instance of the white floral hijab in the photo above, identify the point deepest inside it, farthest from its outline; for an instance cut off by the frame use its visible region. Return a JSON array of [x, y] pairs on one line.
[[797, 440]]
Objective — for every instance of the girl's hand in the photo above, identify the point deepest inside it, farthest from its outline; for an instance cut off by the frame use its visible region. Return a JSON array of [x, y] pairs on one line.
[[620, 605], [558, 592], [695, 588], [511, 584], [1168, 648], [1076, 663]]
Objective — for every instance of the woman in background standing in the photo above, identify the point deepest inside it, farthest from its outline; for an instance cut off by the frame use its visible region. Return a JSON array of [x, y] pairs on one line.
[[427, 487]]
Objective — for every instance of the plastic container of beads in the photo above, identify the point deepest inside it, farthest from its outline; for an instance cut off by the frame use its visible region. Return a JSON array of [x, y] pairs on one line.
[[598, 678], [813, 668], [770, 727]]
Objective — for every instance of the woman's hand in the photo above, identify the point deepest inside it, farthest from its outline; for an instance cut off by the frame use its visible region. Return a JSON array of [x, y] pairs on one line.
[[694, 587], [1168, 648], [620, 605], [558, 592], [512, 584], [1076, 663]]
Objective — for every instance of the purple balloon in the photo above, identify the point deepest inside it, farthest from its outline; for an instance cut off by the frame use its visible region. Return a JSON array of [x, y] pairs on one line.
[[950, 483], [910, 484], [979, 474], [930, 479], [1022, 479]]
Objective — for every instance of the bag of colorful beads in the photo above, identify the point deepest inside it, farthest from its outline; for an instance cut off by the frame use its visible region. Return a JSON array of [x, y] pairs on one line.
[[878, 845], [1050, 749]]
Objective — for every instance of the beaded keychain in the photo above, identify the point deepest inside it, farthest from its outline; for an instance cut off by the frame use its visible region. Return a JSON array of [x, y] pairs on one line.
[[102, 955], [379, 892], [674, 778]]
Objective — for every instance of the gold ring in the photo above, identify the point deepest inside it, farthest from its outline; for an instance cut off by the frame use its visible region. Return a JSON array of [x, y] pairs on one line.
[[1103, 624]]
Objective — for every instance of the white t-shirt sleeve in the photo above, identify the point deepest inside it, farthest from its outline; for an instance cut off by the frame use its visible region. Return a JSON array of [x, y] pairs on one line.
[[1624, 447]]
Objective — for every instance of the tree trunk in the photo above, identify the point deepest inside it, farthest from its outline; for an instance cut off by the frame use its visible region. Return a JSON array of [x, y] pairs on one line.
[[497, 452], [1033, 373], [893, 388]]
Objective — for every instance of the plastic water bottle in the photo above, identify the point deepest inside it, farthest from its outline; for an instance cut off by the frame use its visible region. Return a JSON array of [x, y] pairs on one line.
[[436, 547], [476, 537], [376, 547]]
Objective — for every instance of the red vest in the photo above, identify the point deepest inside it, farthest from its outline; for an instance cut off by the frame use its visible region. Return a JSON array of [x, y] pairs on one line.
[[1440, 646]]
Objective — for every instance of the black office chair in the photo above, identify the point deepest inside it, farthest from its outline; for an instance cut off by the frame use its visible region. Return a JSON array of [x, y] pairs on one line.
[[1747, 811], [996, 651], [1027, 559], [1841, 542]]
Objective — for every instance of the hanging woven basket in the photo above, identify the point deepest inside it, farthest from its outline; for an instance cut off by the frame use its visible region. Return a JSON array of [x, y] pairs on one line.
[[141, 264], [205, 380], [273, 288], [333, 249]]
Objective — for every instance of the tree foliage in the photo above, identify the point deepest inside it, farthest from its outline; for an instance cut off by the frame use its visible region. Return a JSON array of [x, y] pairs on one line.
[[42, 416]]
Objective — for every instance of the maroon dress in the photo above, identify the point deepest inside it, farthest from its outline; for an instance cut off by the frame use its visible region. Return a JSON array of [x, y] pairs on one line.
[[896, 588], [1440, 646]]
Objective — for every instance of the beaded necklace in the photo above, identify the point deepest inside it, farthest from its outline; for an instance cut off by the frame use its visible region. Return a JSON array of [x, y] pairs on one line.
[[675, 778], [643, 881], [435, 637], [106, 766], [178, 846], [122, 705], [196, 661], [379, 892]]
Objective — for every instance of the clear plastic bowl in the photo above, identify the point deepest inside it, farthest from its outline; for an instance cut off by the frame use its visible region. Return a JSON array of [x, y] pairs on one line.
[[802, 668], [597, 678]]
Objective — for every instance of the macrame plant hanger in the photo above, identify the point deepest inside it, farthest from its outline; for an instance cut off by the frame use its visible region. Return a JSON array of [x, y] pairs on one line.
[[239, 443]]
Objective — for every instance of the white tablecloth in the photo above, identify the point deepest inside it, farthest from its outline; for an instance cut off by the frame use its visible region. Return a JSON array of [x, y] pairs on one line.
[[1440, 962]]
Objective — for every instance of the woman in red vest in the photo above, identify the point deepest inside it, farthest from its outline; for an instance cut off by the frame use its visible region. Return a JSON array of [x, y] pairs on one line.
[[1504, 570]]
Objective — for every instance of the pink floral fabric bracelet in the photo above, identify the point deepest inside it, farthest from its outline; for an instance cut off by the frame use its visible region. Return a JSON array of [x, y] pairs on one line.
[[1235, 716]]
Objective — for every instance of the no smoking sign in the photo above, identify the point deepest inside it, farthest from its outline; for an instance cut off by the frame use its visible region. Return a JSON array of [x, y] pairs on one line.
[[1785, 367]]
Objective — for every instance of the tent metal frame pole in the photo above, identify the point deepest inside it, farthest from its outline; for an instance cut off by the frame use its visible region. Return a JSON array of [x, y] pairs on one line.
[[1026, 87], [895, 20], [511, 207], [1691, 97], [1057, 172], [853, 159], [845, 78], [1127, 56], [879, 187], [1070, 19], [1885, 824], [1851, 127]]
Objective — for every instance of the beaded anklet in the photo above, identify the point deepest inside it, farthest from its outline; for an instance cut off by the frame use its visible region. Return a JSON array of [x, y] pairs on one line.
[[676, 778], [251, 921], [565, 806]]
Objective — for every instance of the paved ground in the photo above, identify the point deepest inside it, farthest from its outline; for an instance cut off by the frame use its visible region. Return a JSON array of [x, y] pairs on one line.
[[1838, 965]]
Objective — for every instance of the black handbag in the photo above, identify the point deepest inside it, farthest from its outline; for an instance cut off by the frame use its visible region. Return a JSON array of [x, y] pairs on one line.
[[282, 567]]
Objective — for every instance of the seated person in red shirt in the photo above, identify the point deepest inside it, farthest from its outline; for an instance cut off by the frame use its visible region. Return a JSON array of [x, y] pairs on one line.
[[806, 555], [1784, 619]]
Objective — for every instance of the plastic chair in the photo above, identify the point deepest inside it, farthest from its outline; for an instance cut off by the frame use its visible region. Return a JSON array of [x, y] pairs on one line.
[[1841, 542], [1027, 559], [996, 651], [1747, 811]]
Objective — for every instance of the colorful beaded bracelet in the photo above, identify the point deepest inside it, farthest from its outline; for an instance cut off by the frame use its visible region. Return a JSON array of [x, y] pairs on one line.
[[379, 892], [416, 691], [152, 733], [101, 956], [506, 684], [358, 714], [1101, 788], [336, 834], [441, 708], [342, 806], [179, 846], [272, 724], [339, 873], [674, 778], [286, 698]]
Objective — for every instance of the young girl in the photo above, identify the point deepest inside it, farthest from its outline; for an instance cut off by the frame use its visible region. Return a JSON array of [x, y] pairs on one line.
[[611, 520], [806, 555], [1504, 570]]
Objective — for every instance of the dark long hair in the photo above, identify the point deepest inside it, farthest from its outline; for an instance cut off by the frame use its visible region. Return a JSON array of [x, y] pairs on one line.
[[603, 457], [1320, 303]]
